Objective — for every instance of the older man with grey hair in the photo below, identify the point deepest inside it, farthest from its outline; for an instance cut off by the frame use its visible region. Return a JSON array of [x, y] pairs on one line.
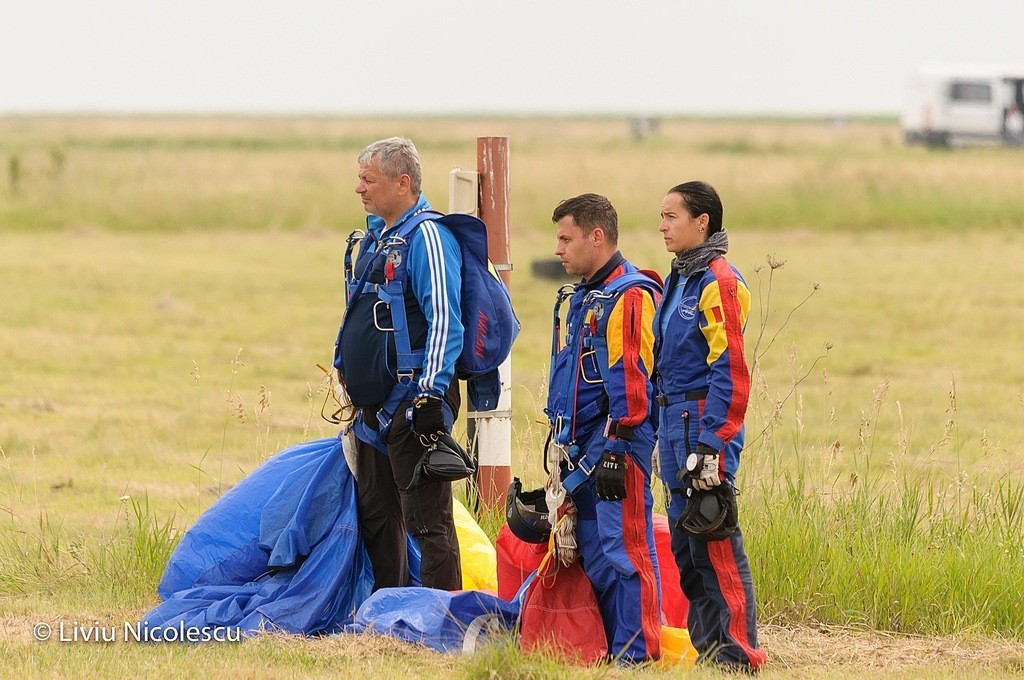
[[402, 382]]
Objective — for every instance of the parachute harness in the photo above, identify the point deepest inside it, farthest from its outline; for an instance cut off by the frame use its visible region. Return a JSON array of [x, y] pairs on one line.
[[561, 509]]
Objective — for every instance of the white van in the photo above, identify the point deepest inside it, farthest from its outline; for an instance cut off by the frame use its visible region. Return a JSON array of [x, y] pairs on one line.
[[957, 105]]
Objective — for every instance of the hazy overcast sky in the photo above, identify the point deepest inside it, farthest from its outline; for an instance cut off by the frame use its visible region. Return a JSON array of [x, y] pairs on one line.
[[408, 56]]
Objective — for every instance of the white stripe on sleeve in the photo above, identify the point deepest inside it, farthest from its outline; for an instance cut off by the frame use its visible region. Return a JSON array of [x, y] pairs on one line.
[[437, 317]]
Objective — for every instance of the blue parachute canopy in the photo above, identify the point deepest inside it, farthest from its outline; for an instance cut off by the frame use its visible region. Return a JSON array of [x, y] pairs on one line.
[[280, 551], [447, 622]]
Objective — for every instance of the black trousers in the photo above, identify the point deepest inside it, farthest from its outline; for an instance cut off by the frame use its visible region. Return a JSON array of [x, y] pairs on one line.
[[388, 508]]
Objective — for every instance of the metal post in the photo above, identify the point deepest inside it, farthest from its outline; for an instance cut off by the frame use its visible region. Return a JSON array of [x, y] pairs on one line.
[[494, 433]]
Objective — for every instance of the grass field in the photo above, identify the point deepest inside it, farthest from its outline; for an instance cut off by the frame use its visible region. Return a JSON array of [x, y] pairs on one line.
[[169, 286]]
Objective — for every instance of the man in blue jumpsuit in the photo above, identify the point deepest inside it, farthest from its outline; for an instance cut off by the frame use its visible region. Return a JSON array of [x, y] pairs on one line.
[[392, 439], [599, 406]]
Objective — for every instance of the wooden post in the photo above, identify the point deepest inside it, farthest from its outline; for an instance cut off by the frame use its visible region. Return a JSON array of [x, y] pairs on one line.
[[492, 154], [494, 432]]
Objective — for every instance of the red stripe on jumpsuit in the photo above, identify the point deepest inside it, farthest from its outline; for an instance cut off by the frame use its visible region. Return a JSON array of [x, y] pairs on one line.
[[738, 372], [729, 582], [637, 405], [634, 521], [634, 535]]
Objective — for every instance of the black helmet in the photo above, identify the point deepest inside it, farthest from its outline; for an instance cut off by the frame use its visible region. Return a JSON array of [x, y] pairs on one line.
[[527, 513], [710, 515]]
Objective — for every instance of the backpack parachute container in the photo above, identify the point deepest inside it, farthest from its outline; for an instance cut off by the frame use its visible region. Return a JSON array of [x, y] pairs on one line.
[[490, 321]]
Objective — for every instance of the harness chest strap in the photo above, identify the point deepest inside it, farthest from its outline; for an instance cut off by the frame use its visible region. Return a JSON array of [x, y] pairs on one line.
[[393, 295]]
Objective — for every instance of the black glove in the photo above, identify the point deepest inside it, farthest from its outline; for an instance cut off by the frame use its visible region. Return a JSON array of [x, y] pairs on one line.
[[428, 418], [610, 476]]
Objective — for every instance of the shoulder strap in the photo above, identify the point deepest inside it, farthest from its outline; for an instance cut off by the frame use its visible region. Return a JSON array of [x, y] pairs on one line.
[[415, 221], [618, 285], [659, 314], [403, 232], [361, 283], [612, 292], [393, 292]]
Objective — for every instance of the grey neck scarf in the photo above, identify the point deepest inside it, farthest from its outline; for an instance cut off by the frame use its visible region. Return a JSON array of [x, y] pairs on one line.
[[698, 257]]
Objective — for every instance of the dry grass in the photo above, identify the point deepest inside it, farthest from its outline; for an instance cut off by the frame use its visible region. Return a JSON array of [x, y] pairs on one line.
[[297, 173], [268, 656], [794, 652], [801, 652]]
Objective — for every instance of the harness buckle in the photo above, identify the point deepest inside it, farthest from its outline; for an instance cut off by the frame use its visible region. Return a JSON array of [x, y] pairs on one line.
[[591, 352], [561, 433], [376, 321], [595, 295]]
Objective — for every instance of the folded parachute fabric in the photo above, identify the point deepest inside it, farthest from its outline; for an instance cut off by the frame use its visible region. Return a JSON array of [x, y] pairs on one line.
[[477, 555], [280, 551], [442, 620]]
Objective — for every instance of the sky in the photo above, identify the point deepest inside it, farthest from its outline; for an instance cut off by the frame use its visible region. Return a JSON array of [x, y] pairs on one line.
[[521, 57]]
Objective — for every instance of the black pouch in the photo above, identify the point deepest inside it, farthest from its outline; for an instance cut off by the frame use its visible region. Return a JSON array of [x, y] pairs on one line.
[[443, 461]]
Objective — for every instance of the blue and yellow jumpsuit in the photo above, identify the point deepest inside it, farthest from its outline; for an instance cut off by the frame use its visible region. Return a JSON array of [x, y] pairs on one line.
[[592, 407], [703, 387]]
